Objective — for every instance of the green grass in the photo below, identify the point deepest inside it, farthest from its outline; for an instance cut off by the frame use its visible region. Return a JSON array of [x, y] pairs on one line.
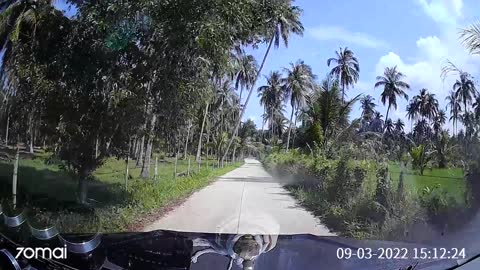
[[117, 209], [450, 180]]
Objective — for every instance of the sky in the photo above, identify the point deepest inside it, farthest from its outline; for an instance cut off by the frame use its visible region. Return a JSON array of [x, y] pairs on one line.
[[418, 36]]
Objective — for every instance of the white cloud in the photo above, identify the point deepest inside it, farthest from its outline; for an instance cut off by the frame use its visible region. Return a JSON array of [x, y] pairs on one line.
[[327, 32], [442, 11], [423, 66], [433, 51]]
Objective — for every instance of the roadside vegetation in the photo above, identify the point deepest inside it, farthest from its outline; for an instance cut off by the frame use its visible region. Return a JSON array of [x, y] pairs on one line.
[[100, 104], [369, 200], [113, 206], [93, 92], [368, 176]]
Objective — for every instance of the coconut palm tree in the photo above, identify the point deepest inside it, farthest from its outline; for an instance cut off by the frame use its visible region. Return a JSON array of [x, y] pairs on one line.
[[282, 25], [20, 18], [368, 107], [346, 68], [326, 110], [393, 86], [399, 125], [245, 71], [465, 89], [412, 113], [271, 97], [471, 37], [298, 85], [426, 105], [421, 131], [438, 121], [468, 120], [389, 126], [376, 125], [455, 109]]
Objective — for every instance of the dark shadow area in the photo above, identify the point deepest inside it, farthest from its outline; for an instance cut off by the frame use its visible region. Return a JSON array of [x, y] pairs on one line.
[[57, 185]]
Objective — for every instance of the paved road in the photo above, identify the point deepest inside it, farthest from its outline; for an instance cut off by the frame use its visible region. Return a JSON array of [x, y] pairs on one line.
[[245, 200]]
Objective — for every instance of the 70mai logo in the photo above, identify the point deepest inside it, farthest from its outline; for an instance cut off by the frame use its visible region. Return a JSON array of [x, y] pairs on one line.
[[42, 253]]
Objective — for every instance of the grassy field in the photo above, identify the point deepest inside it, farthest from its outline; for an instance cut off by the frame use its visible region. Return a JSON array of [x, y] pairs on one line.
[[117, 208], [449, 180]]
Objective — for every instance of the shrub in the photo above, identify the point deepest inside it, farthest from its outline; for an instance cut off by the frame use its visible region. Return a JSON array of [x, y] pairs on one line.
[[382, 192], [335, 217], [437, 201]]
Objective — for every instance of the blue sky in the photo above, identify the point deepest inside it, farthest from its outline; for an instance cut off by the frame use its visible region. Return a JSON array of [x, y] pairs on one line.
[[416, 35]]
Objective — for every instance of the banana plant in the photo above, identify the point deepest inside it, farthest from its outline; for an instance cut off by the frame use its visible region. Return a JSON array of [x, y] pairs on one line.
[[420, 157]]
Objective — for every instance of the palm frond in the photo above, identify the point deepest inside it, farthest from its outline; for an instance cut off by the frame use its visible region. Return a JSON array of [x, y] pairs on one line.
[[470, 37]]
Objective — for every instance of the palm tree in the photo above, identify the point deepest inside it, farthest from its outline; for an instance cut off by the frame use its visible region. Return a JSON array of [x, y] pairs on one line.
[[346, 70], [438, 121], [279, 121], [326, 109], [298, 84], [283, 24], [455, 109], [468, 120], [465, 89], [20, 18], [476, 107], [393, 86], [376, 125], [389, 126], [471, 38], [245, 67], [412, 112], [271, 96], [368, 107], [421, 130], [426, 105], [399, 125]]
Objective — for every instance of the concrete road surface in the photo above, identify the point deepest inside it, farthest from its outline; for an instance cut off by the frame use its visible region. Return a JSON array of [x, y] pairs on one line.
[[245, 200]]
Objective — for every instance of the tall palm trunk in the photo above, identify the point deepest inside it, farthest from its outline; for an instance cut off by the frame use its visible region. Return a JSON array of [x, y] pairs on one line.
[[148, 150], [208, 143], [7, 129], [466, 138], [31, 130], [185, 149], [82, 188], [141, 143], [141, 146], [127, 159], [15, 174], [295, 134], [290, 128], [233, 155], [271, 126], [263, 123], [240, 96], [248, 96], [133, 150], [386, 117], [199, 148]]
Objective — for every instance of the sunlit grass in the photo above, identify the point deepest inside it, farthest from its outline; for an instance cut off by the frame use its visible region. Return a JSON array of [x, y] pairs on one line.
[[117, 208], [450, 180]]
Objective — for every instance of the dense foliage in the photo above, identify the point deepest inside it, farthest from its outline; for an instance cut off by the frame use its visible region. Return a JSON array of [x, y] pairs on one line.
[[130, 78]]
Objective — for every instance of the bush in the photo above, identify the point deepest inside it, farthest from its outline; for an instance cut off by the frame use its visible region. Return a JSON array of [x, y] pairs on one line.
[[349, 199], [437, 201], [383, 192]]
